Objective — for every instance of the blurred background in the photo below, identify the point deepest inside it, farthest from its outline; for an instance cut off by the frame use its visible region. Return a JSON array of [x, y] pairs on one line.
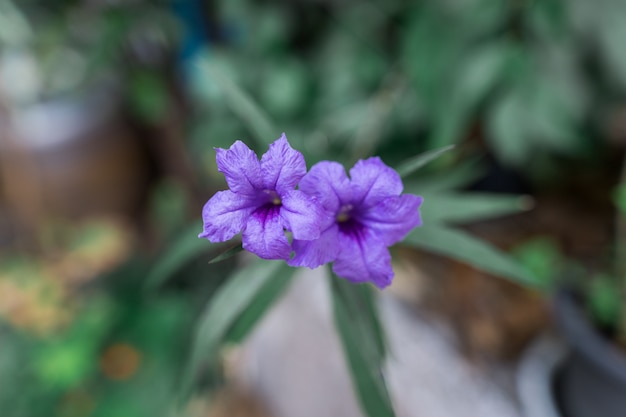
[[110, 109]]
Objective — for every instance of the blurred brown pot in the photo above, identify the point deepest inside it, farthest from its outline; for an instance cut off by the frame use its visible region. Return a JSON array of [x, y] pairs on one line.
[[69, 157]]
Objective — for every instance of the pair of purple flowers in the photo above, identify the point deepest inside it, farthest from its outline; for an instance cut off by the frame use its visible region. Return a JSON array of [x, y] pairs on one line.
[[332, 218]]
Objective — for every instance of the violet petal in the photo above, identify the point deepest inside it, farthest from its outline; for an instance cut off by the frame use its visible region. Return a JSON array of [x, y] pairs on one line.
[[328, 183], [313, 253], [363, 258], [225, 215], [394, 217], [373, 181], [241, 168], [302, 215], [282, 166], [264, 235]]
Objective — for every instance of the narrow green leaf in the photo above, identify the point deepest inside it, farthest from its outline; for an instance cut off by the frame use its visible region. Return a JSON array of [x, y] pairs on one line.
[[224, 309], [265, 298], [449, 125], [484, 68], [413, 164], [451, 179], [228, 253], [242, 104], [371, 130], [478, 253], [179, 253], [361, 336], [467, 207], [361, 299]]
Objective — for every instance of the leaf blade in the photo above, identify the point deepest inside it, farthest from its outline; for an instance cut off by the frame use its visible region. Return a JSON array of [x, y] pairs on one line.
[[468, 207], [228, 253], [466, 248], [241, 103], [413, 164], [186, 247], [224, 309], [453, 178], [268, 294], [365, 359]]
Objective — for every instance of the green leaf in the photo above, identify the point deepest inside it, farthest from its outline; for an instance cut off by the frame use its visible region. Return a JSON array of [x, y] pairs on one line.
[[228, 253], [183, 250], [360, 332], [507, 126], [410, 166], [541, 256], [478, 253], [467, 207], [64, 365], [480, 74], [15, 28], [169, 205], [148, 96], [361, 299], [451, 179], [371, 130], [552, 117], [265, 298], [449, 126], [241, 103], [66, 360], [284, 91], [611, 35], [240, 291], [605, 302], [619, 197]]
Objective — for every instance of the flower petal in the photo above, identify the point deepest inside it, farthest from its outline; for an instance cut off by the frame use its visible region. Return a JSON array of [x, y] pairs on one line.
[[363, 258], [313, 253], [372, 181], [303, 216], [225, 215], [282, 167], [241, 168], [394, 217], [264, 235], [328, 183]]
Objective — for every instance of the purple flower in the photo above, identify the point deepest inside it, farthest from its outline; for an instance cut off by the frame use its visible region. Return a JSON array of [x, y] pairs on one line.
[[262, 201], [366, 214]]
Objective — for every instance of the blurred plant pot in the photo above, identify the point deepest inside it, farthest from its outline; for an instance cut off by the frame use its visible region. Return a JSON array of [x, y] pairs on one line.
[[536, 373], [71, 157], [592, 379]]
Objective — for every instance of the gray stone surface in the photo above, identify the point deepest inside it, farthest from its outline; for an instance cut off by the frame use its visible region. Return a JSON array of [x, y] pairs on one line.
[[294, 361]]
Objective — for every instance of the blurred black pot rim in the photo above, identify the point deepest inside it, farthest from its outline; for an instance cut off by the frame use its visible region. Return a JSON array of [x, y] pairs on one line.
[[584, 339], [535, 375]]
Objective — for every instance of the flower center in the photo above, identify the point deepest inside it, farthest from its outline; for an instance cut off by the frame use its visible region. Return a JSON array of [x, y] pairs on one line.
[[344, 213], [348, 221], [273, 196]]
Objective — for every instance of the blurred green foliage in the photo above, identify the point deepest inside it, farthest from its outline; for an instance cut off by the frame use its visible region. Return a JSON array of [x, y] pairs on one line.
[[363, 77], [50, 49], [119, 356], [605, 304]]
